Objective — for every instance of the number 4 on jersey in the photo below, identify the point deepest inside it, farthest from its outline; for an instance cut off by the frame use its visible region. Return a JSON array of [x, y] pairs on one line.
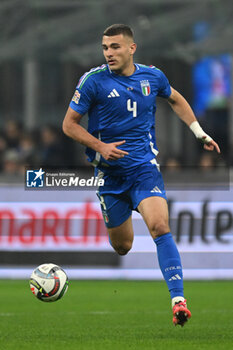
[[132, 108]]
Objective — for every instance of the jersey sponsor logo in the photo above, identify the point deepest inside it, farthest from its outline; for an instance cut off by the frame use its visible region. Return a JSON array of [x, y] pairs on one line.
[[76, 97], [145, 86], [113, 93]]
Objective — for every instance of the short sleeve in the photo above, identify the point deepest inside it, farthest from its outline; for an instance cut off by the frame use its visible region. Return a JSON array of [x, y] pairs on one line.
[[164, 86], [84, 95]]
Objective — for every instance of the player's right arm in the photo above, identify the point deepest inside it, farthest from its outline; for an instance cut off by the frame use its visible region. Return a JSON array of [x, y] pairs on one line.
[[72, 128]]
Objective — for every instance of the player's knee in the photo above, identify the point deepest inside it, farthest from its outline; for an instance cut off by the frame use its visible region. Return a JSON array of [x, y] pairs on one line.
[[124, 248], [159, 228]]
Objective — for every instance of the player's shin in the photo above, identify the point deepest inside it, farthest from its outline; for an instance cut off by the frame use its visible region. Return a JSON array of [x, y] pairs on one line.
[[170, 264]]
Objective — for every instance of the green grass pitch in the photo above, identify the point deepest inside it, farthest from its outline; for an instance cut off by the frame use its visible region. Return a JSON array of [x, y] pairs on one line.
[[102, 315]]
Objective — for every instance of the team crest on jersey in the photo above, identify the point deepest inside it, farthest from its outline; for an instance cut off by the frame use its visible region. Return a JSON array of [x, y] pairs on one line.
[[76, 97], [145, 86]]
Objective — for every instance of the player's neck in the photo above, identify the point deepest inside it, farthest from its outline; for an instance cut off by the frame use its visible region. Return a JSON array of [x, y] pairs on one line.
[[127, 71]]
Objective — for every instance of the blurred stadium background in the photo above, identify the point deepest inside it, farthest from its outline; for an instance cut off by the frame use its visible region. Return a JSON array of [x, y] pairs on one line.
[[45, 47]]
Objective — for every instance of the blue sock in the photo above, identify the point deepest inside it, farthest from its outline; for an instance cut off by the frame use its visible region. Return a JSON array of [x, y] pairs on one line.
[[170, 264]]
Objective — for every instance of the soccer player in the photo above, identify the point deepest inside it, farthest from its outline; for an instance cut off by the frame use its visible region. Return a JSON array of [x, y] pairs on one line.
[[120, 98]]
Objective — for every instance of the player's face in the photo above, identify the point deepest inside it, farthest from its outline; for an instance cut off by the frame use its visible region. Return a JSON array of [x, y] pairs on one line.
[[118, 51]]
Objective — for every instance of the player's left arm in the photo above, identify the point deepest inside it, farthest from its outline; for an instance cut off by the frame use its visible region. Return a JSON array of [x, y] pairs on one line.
[[182, 108]]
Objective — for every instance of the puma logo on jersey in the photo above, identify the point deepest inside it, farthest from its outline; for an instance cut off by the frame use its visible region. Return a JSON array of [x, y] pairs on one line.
[[156, 189], [113, 93]]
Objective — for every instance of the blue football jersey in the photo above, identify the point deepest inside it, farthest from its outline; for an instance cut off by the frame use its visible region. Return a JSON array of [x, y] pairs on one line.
[[121, 108]]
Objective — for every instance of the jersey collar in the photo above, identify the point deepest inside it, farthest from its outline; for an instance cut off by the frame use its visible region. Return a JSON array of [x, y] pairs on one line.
[[111, 72]]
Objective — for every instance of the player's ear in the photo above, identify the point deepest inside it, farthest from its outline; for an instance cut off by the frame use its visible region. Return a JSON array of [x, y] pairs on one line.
[[133, 47]]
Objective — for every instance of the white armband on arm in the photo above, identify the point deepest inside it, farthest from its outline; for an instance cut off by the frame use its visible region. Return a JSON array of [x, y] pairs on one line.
[[199, 132]]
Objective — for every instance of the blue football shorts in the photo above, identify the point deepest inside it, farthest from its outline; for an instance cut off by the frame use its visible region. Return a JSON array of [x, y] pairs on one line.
[[122, 194]]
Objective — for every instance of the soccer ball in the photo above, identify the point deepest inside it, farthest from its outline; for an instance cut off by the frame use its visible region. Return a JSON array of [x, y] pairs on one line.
[[49, 282]]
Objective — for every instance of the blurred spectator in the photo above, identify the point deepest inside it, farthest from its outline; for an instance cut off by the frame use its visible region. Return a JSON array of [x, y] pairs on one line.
[[3, 148], [212, 83], [27, 151], [11, 162], [47, 147], [207, 161], [51, 150], [13, 130], [172, 164]]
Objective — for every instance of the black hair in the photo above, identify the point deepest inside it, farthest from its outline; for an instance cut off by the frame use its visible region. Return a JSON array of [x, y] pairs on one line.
[[116, 29]]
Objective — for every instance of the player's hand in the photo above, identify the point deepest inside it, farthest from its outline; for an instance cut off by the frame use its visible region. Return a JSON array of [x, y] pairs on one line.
[[110, 151], [211, 145]]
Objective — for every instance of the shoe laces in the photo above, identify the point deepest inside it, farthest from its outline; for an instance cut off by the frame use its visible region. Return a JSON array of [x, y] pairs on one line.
[[180, 303]]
